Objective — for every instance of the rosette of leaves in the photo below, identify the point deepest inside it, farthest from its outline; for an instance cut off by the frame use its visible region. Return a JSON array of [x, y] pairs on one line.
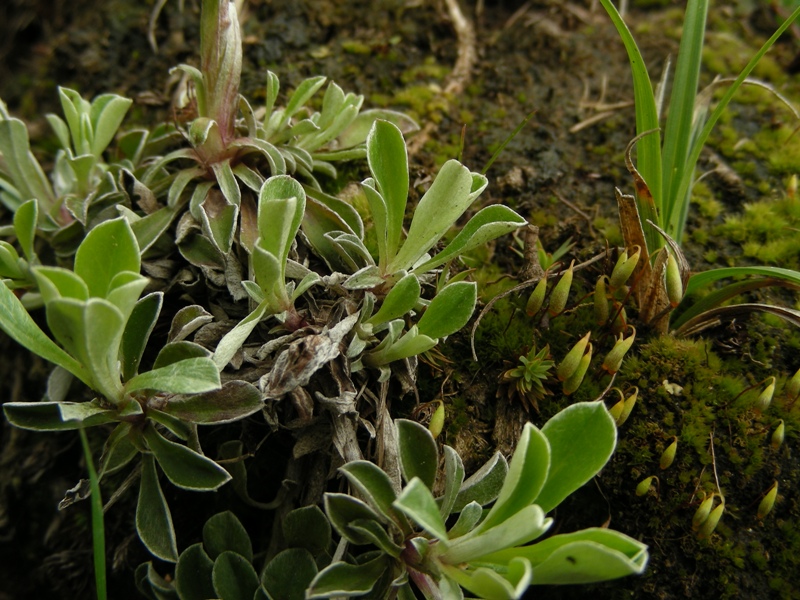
[[225, 566], [526, 380], [101, 326], [454, 189], [83, 184], [487, 551], [231, 144]]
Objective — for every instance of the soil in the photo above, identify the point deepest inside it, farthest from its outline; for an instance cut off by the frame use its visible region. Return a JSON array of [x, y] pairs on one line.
[[562, 62]]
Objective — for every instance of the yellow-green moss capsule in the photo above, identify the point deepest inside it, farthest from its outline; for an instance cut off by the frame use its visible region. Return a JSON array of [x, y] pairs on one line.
[[536, 298], [645, 485], [668, 456], [558, 299], [616, 410], [777, 436], [674, 283], [765, 397], [613, 360], [791, 187], [573, 358], [793, 386], [627, 408], [437, 420], [701, 514], [710, 524], [600, 301], [624, 268], [574, 381], [767, 502]]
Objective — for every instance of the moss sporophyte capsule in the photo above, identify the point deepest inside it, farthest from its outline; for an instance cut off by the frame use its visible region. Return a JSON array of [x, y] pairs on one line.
[[558, 299]]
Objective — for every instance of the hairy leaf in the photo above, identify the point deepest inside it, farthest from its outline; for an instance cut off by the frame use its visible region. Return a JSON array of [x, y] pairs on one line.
[[153, 518]]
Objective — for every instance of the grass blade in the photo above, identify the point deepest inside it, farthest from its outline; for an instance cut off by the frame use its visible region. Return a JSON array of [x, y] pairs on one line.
[[678, 218]]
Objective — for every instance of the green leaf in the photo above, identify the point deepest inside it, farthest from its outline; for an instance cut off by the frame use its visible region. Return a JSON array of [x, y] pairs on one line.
[[153, 518], [19, 325], [589, 555], [137, 331], [373, 484], [118, 450], [520, 528], [484, 485], [9, 262], [376, 533], [454, 478], [219, 217], [151, 227], [108, 249], [451, 193], [184, 467], [281, 203], [56, 416], [469, 517], [92, 332], [189, 376], [233, 401], [417, 502], [233, 340], [342, 510], [57, 282], [357, 131], [582, 438], [449, 310], [365, 278], [174, 352], [526, 477], [287, 576], [401, 299], [25, 171], [25, 220], [107, 113], [307, 527], [193, 574], [490, 584], [341, 579], [489, 223], [419, 456], [188, 320], [234, 577], [225, 533], [388, 161]]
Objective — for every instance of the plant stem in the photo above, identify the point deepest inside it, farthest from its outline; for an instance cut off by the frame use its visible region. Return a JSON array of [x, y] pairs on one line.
[[98, 527]]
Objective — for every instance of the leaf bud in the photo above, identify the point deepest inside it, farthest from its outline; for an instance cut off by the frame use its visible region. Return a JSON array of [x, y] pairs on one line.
[[668, 456], [600, 301], [573, 358], [765, 397], [701, 514], [777, 436], [767, 502], [613, 360], [645, 485], [793, 386], [674, 282], [710, 524], [574, 381], [558, 299], [536, 298], [437, 420], [627, 408], [624, 268]]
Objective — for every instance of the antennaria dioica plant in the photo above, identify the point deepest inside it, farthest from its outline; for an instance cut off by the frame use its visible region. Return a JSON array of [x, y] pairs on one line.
[[193, 276]]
